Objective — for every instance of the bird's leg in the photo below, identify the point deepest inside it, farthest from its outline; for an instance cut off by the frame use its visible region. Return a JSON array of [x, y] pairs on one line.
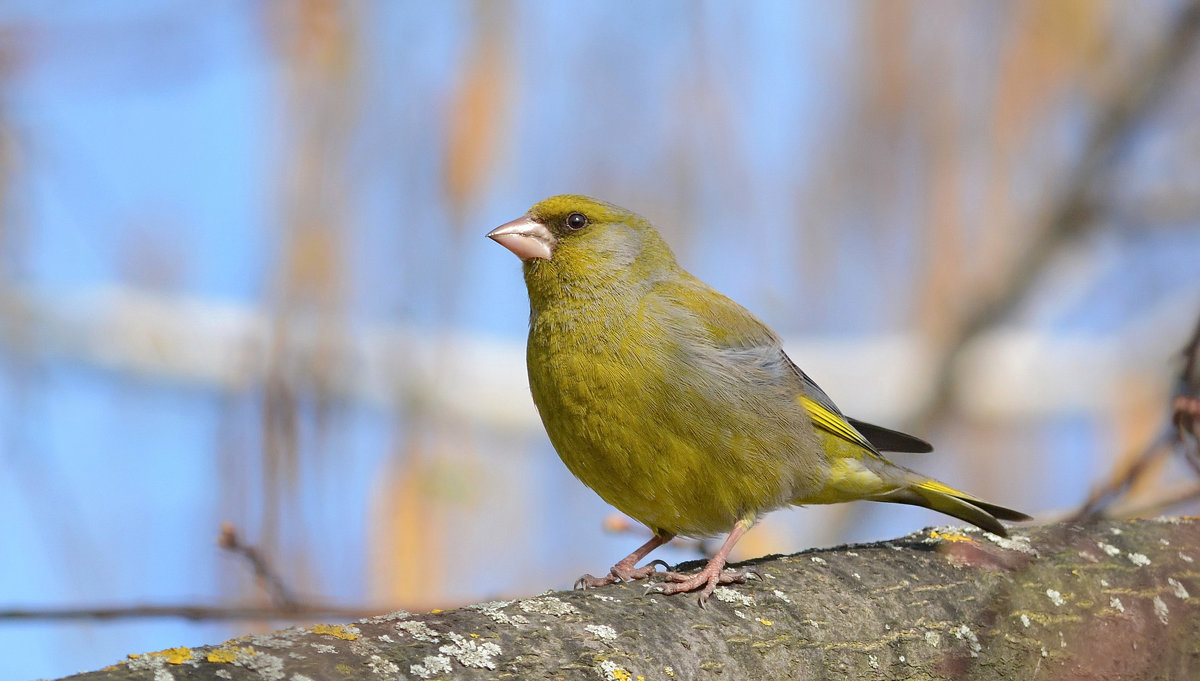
[[627, 570], [713, 574]]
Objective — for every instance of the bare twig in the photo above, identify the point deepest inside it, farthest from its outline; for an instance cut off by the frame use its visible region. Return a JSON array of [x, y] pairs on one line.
[[280, 594], [1187, 420], [1100, 499], [1186, 402], [1179, 435]]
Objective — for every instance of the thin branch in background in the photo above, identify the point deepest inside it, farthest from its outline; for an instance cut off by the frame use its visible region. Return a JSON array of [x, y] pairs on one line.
[[1158, 506], [1101, 499], [1186, 402], [1180, 435], [1187, 420], [280, 594], [189, 612], [1070, 215], [285, 604]]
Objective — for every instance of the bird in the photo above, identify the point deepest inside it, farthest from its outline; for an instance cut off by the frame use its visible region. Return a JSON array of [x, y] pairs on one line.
[[678, 406]]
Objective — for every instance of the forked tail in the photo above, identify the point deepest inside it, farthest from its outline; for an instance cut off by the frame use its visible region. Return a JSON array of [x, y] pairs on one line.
[[945, 499]]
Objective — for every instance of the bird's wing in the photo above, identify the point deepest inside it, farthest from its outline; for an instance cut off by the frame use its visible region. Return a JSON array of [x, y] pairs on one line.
[[825, 414], [878, 438], [742, 337]]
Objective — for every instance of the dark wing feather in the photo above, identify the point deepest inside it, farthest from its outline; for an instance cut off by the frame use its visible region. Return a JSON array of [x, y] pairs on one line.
[[888, 440], [882, 439]]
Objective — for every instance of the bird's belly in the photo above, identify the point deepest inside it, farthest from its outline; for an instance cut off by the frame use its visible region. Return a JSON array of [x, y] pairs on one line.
[[665, 458]]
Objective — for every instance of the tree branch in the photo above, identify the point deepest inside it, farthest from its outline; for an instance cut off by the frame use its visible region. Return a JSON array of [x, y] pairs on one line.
[[1105, 600]]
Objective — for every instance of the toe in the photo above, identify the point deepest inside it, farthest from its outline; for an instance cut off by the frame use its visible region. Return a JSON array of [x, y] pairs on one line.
[[708, 589], [704, 581], [736, 576], [590, 582], [639, 573]]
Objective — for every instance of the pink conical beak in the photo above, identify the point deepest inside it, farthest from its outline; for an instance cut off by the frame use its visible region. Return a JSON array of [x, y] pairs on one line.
[[526, 238]]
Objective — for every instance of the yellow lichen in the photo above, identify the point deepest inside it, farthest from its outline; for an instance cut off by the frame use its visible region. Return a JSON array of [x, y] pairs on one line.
[[949, 536], [335, 630], [173, 655], [227, 655], [436, 611], [766, 623]]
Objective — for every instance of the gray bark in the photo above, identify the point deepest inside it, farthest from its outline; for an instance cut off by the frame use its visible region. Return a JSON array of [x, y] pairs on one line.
[[1110, 600]]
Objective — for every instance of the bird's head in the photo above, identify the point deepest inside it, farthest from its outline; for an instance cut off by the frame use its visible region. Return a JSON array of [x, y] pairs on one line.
[[577, 240]]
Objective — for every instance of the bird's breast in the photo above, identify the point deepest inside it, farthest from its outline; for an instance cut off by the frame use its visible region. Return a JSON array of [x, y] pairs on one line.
[[656, 435]]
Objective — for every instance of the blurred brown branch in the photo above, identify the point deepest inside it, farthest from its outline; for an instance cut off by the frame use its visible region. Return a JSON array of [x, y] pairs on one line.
[[1103, 498], [1181, 434], [1186, 402], [1071, 214], [1164, 503]]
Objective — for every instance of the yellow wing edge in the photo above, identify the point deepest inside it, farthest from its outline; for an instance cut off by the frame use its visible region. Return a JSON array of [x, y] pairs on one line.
[[833, 423]]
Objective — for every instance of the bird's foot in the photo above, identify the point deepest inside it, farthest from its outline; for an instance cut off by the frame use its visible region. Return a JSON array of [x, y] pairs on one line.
[[620, 573], [706, 581]]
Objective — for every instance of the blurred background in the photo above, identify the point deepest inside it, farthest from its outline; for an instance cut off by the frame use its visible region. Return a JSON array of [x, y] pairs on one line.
[[243, 276]]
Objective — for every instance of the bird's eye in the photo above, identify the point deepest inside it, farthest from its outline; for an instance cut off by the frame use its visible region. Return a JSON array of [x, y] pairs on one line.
[[576, 221]]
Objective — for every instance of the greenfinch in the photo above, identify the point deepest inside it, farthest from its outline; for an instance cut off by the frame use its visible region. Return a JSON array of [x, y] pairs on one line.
[[677, 405]]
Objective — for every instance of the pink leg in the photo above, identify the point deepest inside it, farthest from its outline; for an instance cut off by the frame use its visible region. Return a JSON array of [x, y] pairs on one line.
[[712, 574], [627, 570]]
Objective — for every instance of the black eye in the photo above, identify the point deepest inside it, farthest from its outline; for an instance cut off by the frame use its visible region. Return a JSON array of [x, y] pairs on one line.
[[576, 221]]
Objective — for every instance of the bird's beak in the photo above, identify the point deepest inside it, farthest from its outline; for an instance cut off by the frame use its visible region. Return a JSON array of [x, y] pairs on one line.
[[526, 238]]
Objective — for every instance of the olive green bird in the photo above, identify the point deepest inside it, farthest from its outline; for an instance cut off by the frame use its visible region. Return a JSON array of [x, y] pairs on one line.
[[677, 405]]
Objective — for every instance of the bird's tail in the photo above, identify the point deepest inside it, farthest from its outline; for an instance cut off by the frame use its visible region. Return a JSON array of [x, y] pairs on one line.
[[945, 499]]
